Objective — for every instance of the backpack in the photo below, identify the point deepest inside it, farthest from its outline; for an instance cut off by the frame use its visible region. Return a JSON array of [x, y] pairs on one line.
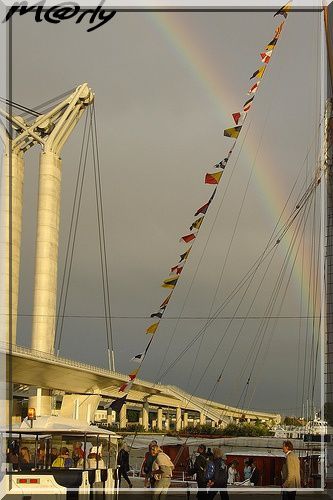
[[221, 473], [210, 469]]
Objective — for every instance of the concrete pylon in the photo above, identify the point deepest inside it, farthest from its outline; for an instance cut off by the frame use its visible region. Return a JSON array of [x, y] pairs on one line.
[[167, 421], [178, 418], [57, 127], [159, 419], [63, 119], [11, 199], [123, 416], [185, 420], [202, 418], [47, 245], [145, 416]]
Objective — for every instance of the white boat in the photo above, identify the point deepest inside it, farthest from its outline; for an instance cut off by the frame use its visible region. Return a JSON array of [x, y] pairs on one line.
[[53, 455]]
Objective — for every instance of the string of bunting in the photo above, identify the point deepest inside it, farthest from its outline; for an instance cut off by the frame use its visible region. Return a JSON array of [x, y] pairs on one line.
[[212, 178]]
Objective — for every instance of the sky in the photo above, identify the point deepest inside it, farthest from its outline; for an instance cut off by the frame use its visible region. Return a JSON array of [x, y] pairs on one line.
[[166, 85]]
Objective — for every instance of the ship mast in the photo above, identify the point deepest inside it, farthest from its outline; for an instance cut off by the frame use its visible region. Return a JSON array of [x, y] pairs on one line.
[[328, 151], [327, 274]]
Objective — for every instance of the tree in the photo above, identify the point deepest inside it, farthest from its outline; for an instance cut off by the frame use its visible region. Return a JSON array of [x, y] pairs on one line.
[[292, 421], [246, 429]]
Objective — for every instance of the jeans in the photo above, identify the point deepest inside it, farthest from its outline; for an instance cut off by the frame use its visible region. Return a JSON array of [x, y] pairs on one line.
[[202, 485], [123, 472], [224, 494], [161, 487], [288, 495]]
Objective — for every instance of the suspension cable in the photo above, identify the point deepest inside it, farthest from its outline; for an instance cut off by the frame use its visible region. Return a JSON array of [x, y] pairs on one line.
[[73, 229], [103, 252]]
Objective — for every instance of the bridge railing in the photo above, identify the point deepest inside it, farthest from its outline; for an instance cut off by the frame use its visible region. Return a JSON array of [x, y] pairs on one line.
[[27, 351]]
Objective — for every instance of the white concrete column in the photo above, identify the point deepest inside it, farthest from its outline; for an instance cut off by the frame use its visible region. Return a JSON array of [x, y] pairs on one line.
[[42, 402], [167, 422], [185, 420], [145, 416], [110, 417], [12, 237], [46, 262], [123, 416], [159, 419], [178, 418], [202, 420], [16, 412]]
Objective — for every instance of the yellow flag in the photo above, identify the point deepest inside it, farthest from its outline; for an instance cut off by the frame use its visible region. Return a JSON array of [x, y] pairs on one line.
[[170, 282], [233, 132], [152, 328]]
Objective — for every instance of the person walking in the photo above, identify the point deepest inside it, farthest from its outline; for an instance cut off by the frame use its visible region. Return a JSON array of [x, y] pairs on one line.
[[199, 469], [291, 476], [123, 463], [147, 466], [162, 472], [219, 481]]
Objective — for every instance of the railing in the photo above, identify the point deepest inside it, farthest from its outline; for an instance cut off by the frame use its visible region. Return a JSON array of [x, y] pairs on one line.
[[178, 393], [33, 353], [209, 412], [15, 349], [216, 413]]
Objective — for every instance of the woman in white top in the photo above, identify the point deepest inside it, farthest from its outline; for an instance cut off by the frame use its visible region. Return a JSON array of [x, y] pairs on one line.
[[233, 473]]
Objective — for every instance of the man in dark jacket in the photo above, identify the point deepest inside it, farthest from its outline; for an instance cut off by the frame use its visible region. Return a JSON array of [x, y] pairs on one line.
[[123, 463], [220, 476], [199, 468]]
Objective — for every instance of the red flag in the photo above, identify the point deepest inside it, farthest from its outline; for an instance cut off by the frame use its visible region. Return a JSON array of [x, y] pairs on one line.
[[213, 178], [177, 269], [203, 209], [166, 301], [254, 88], [266, 56], [236, 117], [187, 238]]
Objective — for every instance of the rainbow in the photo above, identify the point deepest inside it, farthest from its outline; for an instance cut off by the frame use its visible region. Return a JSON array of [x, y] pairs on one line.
[[203, 68]]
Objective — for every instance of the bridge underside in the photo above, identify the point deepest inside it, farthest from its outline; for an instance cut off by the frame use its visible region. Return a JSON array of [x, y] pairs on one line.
[[73, 379]]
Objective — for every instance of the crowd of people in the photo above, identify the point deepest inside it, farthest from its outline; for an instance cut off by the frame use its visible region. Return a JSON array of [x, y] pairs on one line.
[[209, 468], [22, 459]]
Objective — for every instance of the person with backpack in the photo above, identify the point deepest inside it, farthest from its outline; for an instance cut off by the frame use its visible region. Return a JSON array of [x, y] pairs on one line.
[[219, 480], [199, 469]]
